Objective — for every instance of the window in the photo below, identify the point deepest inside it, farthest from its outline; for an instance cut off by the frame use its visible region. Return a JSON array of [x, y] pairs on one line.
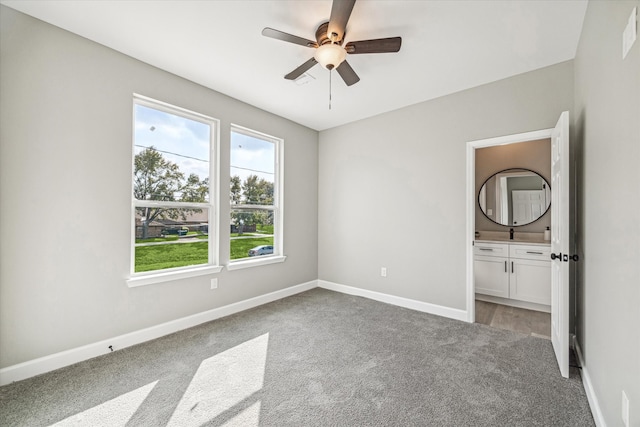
[[256, 199], [174, 197]]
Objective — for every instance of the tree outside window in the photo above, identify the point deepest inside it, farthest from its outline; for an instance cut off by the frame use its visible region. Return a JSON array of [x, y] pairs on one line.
[[172, 176], [254, 197]]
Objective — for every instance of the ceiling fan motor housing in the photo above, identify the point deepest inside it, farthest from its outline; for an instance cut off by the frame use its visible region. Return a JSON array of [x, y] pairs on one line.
[[322, 35]]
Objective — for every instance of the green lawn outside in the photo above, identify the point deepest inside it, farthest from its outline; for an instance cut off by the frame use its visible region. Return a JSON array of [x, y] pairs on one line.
[[244, 234], [161, 257], [267, 229], [157, 239], [240, 247]]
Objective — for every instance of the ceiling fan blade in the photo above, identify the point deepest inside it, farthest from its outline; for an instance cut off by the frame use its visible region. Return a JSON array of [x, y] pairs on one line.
[[301, 69], [348, 75], [279, 35], [340, 12], [391, 44]]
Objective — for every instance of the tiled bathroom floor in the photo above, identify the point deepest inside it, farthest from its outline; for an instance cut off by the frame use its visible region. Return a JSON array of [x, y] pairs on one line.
[[528, 322]]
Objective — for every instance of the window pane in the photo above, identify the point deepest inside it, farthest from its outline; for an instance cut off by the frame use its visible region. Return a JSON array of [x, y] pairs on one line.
[[170, 238], [251, 230], [252, 170], [171, 157]]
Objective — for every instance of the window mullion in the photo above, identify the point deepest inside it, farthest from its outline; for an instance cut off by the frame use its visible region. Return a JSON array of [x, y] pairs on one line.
[[162, 204], [254, 207]]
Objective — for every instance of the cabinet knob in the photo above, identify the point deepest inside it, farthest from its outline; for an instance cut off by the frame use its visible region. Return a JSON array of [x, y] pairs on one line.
[[558, 257]]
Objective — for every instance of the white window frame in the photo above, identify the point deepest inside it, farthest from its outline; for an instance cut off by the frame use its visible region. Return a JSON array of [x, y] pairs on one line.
[[158, 276], [277, 207]]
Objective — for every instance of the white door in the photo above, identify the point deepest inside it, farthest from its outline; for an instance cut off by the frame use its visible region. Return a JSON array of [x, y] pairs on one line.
[[560, 242], [528, 205]]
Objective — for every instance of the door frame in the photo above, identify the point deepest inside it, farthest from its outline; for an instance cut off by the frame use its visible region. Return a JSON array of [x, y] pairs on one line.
[[472, 146]]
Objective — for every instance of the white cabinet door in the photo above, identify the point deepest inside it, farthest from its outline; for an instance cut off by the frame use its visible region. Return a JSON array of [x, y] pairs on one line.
[[529, 281], [491, 276]]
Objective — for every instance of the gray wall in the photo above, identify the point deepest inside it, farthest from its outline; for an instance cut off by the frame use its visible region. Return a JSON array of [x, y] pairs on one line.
[[393, 187], [607, 147], [65, 181]]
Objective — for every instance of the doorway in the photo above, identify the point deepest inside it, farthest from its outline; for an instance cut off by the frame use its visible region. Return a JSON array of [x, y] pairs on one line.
[[472, 200], [512, 183], [560, 226]]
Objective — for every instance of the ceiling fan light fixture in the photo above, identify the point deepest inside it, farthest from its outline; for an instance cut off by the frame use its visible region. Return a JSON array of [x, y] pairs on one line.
[[329, 50], [330, 55]]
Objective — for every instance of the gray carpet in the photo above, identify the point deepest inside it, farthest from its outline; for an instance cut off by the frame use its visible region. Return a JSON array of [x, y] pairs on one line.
[[319, 358]]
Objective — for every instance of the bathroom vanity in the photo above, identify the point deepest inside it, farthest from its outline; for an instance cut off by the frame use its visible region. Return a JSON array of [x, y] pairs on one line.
[[514, 267], [513, 272]]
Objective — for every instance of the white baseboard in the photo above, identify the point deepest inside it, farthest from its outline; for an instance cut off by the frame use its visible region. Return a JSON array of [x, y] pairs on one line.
[[588, 387], [59, 360], [439, 310]]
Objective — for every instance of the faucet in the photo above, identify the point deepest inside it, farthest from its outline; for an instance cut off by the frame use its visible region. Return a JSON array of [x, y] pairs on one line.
[[511, 234]]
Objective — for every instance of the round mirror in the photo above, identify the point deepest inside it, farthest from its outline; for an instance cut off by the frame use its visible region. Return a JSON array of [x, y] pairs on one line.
[[514, 197]]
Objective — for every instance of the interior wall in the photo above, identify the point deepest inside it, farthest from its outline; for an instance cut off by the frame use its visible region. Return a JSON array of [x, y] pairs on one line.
[[607, 148], [393, 187], [532, 155], [65, 183]]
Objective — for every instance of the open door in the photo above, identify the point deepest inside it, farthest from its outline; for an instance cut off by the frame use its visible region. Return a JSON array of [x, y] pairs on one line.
[[560, 225], [560, 235]]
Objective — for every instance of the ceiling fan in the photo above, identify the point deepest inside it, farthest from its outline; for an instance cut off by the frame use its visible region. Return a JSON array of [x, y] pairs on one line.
[[330, 52]]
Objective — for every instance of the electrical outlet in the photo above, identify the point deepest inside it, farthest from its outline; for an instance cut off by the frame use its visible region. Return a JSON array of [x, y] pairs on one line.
[[625, 409], [214, 283], [383, 271]]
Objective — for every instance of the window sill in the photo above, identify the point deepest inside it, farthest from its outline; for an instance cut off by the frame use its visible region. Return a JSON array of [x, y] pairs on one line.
[[256, 262], [166, 276]]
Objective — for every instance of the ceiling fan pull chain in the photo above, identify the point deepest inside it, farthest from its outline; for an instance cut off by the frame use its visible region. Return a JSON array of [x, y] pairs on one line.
[[330, 89]]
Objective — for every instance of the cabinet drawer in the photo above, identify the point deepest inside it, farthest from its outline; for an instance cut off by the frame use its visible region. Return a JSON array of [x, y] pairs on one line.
[[542, 253], [491, 249]]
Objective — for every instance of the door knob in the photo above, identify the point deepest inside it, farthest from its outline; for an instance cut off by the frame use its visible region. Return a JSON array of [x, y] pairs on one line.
[[558, 257]]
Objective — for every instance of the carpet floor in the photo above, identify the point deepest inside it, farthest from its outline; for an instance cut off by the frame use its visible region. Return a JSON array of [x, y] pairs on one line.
[[319, 358]]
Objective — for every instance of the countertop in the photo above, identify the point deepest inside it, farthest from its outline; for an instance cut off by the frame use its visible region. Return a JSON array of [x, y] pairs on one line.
[[521, 238]]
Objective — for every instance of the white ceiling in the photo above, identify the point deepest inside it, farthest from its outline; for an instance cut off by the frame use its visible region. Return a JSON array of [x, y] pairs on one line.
[[447, 46]]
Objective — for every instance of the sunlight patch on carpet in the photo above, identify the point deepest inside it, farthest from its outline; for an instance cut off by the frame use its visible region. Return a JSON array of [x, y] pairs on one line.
[[115, 412], [221, 383]]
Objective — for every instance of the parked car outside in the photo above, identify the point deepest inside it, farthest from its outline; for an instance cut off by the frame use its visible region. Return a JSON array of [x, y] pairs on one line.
[[261, 250]]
